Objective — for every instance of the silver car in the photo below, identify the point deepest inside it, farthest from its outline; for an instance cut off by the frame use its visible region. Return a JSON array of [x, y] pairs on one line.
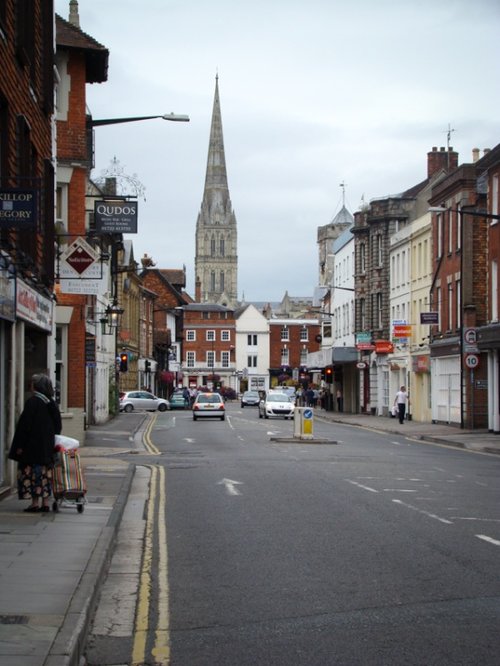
[[142, 400]]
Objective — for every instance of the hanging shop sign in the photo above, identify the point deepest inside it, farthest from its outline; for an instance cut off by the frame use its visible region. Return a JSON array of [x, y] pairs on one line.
[[33, 307], [80, 269], [384, 347], [115, 217], [18, 209]]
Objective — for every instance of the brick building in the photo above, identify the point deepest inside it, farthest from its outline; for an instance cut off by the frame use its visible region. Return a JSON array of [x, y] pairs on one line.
[[26, 208], [459, 295], [290, 341], [208, 346], [488, 335], [80, 61]]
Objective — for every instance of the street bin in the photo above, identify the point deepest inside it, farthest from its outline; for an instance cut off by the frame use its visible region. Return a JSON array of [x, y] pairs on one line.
[[303, 423]]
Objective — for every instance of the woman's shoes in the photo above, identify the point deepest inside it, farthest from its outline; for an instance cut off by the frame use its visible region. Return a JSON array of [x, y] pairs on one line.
[[32, 509]]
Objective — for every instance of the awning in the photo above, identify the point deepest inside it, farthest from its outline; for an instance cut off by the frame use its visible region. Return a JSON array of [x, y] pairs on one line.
[[345, 355]]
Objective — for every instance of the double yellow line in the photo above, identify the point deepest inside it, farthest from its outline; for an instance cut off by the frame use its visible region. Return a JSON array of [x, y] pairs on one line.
[[148, 442], [156, 518]]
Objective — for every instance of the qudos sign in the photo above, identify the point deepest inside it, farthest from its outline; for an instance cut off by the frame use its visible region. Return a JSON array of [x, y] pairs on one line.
[[115, 217]]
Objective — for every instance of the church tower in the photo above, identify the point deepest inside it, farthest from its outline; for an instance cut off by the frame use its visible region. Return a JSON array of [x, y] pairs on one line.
[[216, 260]]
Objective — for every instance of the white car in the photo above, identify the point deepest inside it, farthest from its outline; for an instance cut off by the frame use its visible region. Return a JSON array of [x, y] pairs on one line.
[[276, 404], [142, 400]]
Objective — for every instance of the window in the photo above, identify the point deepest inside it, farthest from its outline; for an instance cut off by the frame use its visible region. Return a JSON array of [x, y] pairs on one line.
[[495, 199], [61, 387], [362, 314], [439, 235], [450, 234], [190, 336], [212, 247], [222, 284], [438, 299], [225, 359], [222, 247], [459, 231], [458, 299], [284, 356], [450, 306], [205, 315], [379, 311], [327, 329], [362, 258], [252, 340], [379, 250], [212, 281], [494, 290], [190, 359], [285, 334], [3, 134], [210, 336], [211, 359], [303, 356], [304, 334], [225, 336], [252, 361]]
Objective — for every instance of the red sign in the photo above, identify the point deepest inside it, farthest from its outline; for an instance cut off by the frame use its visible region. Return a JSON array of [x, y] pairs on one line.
[[401, 331], [384, 347], [79, 260], [365, 346]]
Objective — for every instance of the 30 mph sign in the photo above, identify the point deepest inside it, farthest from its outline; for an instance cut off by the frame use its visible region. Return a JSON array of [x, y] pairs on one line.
[[472, 361]]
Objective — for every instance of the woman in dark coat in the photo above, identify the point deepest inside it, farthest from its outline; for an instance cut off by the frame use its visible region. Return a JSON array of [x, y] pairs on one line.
[[33, 445]]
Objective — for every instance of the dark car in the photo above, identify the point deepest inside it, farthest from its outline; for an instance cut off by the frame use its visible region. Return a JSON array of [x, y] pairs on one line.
[[250, 399]]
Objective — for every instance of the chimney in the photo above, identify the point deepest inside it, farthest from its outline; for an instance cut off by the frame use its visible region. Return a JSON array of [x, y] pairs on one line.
[[475, 154], [441, 159], [74, 17], [197, 290]]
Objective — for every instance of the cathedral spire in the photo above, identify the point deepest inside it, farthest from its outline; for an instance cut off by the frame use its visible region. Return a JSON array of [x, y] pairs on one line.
[[216, 260], [216, 176]]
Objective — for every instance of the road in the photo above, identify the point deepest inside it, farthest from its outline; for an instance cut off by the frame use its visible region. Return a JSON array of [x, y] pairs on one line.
[[375, 550]]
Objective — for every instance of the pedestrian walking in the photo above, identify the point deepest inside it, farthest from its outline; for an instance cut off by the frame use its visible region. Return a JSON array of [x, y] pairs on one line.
[[400, 402], [33, 445]]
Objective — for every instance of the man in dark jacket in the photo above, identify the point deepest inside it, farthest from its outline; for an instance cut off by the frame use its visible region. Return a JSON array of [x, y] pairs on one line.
[[33, 444]]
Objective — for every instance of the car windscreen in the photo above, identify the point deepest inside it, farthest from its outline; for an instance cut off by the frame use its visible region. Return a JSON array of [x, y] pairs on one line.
[[209, 398], [277, 397]]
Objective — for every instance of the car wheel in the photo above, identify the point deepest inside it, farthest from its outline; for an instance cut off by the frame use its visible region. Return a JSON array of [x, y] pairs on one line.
[[128, 409], [266, 416], [162, 408]]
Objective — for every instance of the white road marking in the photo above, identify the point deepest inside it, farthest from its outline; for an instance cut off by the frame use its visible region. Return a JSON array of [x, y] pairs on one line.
[[479, 520], [360, 485], [495, 542], [399, 490], [189, 440], [230, 486], [425, 513]]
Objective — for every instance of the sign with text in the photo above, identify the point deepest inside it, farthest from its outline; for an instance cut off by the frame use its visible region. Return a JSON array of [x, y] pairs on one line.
[[429, 318], [33, 307], [115, 217], [18, 209], [80, 269]]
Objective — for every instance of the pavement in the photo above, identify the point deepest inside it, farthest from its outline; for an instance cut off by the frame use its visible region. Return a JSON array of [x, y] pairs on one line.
[[52, 565]]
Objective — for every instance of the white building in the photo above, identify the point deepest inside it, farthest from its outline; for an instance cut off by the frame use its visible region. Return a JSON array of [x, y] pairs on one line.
[[252, 348]]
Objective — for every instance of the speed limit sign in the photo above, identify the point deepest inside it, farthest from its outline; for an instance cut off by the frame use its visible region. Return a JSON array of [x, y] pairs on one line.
[[472, 361]]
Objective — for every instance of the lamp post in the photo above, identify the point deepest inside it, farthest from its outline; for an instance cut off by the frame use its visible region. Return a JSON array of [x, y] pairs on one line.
[[461, 212], [113, 312]]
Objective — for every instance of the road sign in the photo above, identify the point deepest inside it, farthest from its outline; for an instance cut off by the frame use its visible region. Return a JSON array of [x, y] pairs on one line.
[[472, 361], [470, 336]]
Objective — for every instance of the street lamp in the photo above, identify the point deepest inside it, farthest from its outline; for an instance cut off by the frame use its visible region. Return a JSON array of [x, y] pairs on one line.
[[174, 117]]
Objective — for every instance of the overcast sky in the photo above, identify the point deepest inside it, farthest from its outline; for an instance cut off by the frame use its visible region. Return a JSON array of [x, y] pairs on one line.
[[313, 93]]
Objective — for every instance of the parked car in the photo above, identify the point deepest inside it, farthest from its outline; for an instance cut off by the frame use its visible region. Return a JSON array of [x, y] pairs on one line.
[[209, 405], [177, 401], [276, 404], [250, 398], [142, 400]]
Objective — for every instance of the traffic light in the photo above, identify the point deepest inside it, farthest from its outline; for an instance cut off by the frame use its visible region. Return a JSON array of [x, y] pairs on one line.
[[329, 375], [123, 362], [147, 366]]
